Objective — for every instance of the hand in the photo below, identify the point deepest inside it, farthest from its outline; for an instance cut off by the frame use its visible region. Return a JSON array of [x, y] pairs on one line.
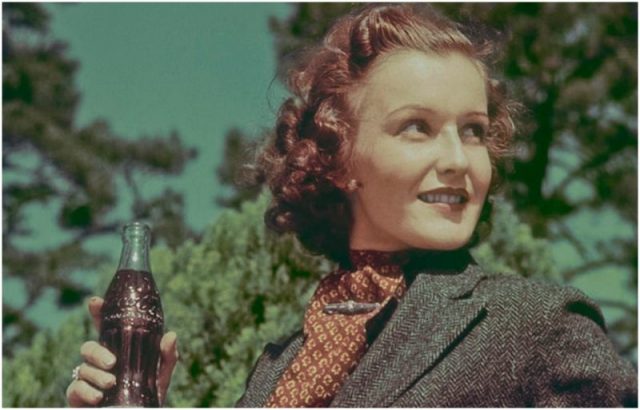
[[94, 376]]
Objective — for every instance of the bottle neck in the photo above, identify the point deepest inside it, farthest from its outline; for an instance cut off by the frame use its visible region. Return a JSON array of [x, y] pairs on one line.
[[135, 248]]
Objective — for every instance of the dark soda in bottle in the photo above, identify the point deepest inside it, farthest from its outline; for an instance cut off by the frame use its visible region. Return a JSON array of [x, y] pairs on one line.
[[132, 324]]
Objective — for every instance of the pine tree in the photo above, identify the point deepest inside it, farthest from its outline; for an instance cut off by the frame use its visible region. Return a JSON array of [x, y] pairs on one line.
[[573, 67], [80, 171], [226, 296]]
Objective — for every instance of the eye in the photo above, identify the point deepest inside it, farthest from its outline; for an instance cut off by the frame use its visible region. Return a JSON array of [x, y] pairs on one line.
[[473, 132], [415, 127]]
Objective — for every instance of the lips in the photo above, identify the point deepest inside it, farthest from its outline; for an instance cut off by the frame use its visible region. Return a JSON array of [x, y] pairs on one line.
[[445, 195]]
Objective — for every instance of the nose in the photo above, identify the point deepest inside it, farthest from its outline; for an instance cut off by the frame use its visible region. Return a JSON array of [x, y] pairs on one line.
[[453, 157]]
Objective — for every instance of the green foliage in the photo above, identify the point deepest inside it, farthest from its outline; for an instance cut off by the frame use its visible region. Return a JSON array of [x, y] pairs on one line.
[[226, 297], [80, 172], [38, 376], [573, 66], [236, 170], [229, 294], [511, 247], [239, 287]]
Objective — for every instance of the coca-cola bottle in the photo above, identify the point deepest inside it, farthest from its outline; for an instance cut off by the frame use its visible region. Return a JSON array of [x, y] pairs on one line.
[[132, 324]]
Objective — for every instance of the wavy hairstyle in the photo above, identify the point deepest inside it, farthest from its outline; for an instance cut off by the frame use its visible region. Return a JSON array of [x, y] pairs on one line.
[[305, 164]]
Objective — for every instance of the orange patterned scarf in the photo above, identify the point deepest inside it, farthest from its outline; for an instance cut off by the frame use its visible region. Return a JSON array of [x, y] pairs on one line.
[[335, 342]]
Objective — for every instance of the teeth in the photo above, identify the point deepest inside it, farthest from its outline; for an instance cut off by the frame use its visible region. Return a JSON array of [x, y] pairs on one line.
[[442, 198]]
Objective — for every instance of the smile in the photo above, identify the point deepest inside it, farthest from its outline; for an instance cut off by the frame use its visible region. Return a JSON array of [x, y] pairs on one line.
[[442, 198], [445, 195]]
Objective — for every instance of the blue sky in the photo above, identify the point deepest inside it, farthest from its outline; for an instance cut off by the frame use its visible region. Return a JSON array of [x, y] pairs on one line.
[[198, 68], [151, 68], [201, 69]]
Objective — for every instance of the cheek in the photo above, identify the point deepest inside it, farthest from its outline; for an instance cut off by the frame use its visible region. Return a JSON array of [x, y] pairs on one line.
[[389, 166], [387, 175], [480, 170]]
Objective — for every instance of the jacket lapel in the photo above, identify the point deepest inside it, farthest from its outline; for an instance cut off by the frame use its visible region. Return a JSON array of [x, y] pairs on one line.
[[268, 370], [432, 316]]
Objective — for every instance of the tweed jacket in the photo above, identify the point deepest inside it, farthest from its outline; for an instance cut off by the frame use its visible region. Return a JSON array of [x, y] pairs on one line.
[[468, 339]]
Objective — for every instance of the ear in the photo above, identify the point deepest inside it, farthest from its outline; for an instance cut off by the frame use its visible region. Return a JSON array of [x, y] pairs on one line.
[[353, 185], [347, 182], [349, 186]]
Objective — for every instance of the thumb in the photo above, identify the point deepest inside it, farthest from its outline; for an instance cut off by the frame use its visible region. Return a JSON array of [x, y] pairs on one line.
[[168, 358], [95, 308]]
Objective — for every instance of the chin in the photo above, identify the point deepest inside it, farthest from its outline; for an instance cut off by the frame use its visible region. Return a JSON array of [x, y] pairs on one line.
[[448, 246], [443, 243]]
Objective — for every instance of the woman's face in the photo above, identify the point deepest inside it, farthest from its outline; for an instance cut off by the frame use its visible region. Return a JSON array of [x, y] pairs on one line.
[[419, 154]]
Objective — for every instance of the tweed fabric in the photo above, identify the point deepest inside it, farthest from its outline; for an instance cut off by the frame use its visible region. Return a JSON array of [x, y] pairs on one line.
[[465, 338], [334, 343]]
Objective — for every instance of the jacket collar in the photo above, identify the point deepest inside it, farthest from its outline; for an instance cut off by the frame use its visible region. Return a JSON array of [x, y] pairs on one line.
[[434, 313]]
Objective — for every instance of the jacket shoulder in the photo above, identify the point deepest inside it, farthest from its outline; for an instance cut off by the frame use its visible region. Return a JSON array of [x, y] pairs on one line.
[[567, 358], [537, 300]]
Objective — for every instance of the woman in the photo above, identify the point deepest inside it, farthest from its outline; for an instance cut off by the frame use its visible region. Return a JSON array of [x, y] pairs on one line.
[[382, 161]]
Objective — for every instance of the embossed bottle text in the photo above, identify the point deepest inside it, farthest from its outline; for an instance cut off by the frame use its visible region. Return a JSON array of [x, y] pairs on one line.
[[132, 324]]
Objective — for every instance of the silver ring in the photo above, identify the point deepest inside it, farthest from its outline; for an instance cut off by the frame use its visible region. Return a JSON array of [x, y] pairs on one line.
[[75, 374]]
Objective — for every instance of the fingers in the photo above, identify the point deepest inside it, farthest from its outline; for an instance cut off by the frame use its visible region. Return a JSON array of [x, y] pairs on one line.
[[168, 358], [97, 377], [97, 355], [82, 394], [95, 307]]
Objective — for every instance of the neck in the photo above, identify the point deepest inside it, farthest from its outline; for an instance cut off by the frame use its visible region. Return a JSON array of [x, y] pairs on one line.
[[411, 260]]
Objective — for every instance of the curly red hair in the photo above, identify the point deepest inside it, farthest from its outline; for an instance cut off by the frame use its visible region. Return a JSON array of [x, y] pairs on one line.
[[305, 164]]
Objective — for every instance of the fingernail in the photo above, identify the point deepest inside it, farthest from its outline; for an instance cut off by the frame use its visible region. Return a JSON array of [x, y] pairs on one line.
[[109, 361], [97, 396], [175, 348]]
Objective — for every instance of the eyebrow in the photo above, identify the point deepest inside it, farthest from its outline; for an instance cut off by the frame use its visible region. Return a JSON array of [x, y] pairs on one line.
[[476, 113], [415, 107], [418, 107]]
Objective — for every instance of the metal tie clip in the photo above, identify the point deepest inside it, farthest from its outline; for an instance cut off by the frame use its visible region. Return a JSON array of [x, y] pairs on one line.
[[349, 308]]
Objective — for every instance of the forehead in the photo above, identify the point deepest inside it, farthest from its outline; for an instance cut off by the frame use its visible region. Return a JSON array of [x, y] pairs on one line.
[[452, 83]]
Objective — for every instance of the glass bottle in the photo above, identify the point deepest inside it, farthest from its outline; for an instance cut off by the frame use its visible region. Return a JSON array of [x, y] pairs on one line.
[[132, 324]]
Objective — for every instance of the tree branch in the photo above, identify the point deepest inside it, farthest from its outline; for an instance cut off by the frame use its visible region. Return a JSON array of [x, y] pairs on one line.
[[595, 162], [617, 304], [571, 273], [566, 233]]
